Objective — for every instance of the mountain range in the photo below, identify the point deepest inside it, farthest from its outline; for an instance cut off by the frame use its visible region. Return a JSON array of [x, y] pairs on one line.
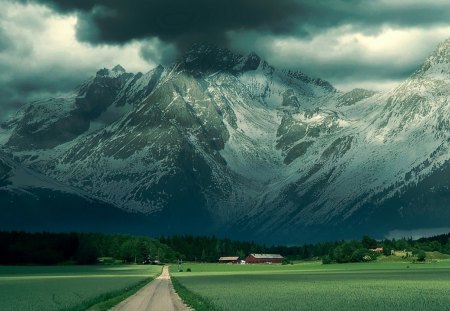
[[226, 144]]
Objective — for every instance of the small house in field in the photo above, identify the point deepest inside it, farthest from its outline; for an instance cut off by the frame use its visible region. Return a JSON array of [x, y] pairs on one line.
[[376, 250], [264, 258], [229, 259]]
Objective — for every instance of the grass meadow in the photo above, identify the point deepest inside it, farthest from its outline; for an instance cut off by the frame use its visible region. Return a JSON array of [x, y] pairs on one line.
[[313, 286], [68, 287]]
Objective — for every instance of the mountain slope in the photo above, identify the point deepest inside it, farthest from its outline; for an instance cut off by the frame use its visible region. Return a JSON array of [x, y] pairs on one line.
[[33, 202]]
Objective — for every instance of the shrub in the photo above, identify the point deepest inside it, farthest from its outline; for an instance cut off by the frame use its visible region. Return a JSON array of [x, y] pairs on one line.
[[326, 260], [387, 251], [86, 254], [360, 255], [421, 256]]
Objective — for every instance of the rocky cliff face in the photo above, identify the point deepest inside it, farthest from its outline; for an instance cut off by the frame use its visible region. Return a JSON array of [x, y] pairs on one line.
[[232, 145]]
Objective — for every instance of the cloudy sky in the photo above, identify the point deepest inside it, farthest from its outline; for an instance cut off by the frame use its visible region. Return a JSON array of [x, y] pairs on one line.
[[49, 46]]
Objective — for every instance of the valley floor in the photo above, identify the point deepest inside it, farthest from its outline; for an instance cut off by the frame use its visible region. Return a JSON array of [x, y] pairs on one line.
[[313, 286], [301, 286]]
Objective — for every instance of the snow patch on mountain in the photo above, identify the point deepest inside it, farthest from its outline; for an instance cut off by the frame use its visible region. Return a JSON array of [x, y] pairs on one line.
[[5, 134]]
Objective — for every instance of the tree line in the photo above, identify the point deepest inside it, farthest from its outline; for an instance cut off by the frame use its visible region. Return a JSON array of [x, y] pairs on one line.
[[87, 248], [79, 248], [209, 249]]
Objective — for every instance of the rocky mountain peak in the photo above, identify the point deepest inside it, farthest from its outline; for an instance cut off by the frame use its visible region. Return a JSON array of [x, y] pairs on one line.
[[438, 61], [115, 72], [118, 69], [208, 57], [442, 53], [249, 62]]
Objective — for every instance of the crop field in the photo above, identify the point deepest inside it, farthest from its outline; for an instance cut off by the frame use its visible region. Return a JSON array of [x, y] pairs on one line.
[[65, 287], [313, 286]]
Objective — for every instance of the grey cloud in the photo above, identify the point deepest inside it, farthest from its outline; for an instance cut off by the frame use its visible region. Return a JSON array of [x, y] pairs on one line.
[[5, 41], [347, 54], [20, 87], [8, 44], [157, 52], [369, 15], [354, 69], [348, 74]]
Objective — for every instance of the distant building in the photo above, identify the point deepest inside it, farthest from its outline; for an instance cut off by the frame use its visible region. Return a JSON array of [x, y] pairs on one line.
[[376, 250], [233, 259], [264, 258]]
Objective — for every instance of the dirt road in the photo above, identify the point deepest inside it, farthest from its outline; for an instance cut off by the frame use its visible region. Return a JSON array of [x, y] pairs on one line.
[[158, 295]]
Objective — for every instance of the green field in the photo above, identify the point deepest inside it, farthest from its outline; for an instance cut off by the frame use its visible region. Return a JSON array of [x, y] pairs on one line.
[[313, 286], [66, 287]]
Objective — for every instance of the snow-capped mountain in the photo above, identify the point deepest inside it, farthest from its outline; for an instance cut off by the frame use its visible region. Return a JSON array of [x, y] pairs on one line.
[[225, 143]]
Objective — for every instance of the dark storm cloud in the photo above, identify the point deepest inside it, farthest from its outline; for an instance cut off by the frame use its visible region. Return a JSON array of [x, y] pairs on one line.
[[180, 22], [184, 22]]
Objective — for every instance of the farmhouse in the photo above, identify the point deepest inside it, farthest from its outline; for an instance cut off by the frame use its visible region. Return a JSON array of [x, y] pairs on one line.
[[264, 258], [377, 250], [229, 259]]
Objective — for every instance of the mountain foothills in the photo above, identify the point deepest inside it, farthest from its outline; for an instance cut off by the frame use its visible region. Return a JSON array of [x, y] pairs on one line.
[[227, 144]]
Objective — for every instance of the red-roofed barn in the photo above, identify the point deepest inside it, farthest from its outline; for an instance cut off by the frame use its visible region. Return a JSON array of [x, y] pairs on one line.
[[264, 258]]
